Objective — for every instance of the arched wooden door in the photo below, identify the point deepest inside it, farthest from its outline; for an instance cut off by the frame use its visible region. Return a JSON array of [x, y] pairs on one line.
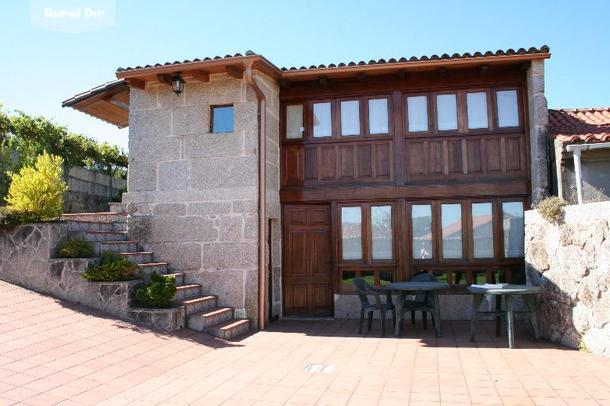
[[306, 276]]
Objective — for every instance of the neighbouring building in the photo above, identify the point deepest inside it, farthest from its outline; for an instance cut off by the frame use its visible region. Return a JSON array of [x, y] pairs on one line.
[[582, 153], [274, 188]]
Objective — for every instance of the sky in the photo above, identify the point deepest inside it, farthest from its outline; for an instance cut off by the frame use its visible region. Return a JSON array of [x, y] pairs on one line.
[[39, 67]]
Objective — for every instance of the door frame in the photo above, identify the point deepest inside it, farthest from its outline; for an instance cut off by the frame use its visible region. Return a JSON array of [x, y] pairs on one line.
[[331, 254]]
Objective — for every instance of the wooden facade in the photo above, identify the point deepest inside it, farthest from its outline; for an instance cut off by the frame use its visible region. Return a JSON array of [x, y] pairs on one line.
[[484, 171]]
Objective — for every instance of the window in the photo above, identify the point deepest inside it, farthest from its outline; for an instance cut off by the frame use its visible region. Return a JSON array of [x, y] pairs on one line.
[[381, 232], [477, 110], [417, 113], [378, 116], [322, 120], [351, 233], [512, 224], [508, 111], [482, 230], [421, 223], [451, 220], [222, 119], [446, 112], [350, 117], [294, 122]]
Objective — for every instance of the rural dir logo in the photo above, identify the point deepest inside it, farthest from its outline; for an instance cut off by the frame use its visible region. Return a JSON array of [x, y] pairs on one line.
[[72, 16]]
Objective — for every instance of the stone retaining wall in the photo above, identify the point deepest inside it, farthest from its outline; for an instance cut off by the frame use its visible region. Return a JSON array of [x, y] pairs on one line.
[[90, 191], [571, 262], [27, 259]]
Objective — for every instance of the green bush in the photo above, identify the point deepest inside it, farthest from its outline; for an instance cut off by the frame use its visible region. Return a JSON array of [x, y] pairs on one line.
[[551, 209], [39, 190], [10, 219], [158, 293], [73, 248], [111, 268]]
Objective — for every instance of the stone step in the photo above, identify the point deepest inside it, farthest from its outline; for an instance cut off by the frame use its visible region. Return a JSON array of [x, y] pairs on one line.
[[179, 277], [152, 267], [187, 291], [230, 329], [198, 304], [115, 246], [200, 321], [140, 257], [105, 216], [99, 235], [116, 207]]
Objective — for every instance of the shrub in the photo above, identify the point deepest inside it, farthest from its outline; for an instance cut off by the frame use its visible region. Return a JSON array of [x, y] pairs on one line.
[[10, 219], [111, 268], [551, 209], [38, 190], [73, 248], [158, 293]]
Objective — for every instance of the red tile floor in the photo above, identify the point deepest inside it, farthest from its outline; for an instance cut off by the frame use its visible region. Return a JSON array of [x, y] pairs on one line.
[[52, 352]]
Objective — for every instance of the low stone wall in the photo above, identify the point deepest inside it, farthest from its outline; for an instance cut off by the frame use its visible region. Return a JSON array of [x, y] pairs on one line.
[[90, 191], [27, 259], [571, 262]]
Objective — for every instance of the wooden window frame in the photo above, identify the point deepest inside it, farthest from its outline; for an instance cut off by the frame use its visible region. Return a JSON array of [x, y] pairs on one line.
[[333, 121], [430, 130], [490, 116], [459, 117], [361, 118], [212, 109], [284, 126], [520, 110], [367, 126]]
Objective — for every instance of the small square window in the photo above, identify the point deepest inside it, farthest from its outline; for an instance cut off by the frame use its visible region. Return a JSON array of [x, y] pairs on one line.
[[222, 119]]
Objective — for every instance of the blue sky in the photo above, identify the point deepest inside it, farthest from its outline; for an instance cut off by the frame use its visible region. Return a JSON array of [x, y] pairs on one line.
[[40, 68]]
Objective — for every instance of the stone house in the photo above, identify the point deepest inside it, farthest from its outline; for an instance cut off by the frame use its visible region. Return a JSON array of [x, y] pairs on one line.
[[273, 188]]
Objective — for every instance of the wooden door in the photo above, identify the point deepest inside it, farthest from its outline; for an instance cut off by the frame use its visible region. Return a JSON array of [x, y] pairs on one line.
[[307, 275]]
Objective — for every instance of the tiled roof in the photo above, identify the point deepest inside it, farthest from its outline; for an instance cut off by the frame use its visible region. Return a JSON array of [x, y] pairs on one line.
[[467, 55], [206, 59], [580, 125], [114, 84]]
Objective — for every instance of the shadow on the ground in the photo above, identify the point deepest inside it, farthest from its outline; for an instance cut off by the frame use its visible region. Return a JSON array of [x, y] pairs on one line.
[[455, 333]]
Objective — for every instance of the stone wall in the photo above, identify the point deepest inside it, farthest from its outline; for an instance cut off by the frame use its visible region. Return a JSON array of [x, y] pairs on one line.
[[193, 195], [90, 191], [27, 259], [571, 262]]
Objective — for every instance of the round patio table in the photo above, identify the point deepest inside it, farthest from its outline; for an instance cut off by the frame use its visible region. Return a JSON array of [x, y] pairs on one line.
[[508, 292], [404, 288]]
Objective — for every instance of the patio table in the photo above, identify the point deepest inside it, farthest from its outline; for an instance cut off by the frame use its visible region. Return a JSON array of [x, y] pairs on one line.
[[508, 292], [403, 288]]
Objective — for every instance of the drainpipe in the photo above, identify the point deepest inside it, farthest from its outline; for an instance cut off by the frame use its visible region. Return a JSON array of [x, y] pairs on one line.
[[262, 191], [576, 150]]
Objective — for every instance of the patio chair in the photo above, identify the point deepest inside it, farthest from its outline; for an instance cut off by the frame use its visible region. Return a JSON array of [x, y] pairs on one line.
[[422, 301], [364, 290]]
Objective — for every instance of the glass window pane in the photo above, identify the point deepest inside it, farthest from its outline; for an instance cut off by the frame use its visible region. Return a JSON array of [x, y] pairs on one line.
[[421, 222], [381, 230], [351, 233], [477, 109], [322, 121], [512, 222], [378, 116], [294, 122], [350, 117], [417, 111], [451, 221], [446, 111], [508, 111], [222, 119], [482, 230]]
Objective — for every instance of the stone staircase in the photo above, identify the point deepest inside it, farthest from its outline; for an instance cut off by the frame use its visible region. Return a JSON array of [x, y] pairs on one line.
[[107, 231]]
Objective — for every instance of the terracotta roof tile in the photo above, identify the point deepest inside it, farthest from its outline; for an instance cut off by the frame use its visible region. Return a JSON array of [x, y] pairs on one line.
[[580, 125], [521, 51], [216, 58]]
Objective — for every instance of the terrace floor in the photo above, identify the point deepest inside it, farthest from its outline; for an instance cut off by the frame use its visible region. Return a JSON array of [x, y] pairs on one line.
[[52, 352]]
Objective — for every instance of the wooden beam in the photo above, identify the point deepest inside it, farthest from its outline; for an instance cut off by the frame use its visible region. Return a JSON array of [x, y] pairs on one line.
[[235, 71], [137, 83], [164, 78], [200, 75]]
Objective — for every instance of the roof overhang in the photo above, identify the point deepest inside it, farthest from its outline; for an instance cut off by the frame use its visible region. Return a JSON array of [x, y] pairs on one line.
[[108, 102]]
